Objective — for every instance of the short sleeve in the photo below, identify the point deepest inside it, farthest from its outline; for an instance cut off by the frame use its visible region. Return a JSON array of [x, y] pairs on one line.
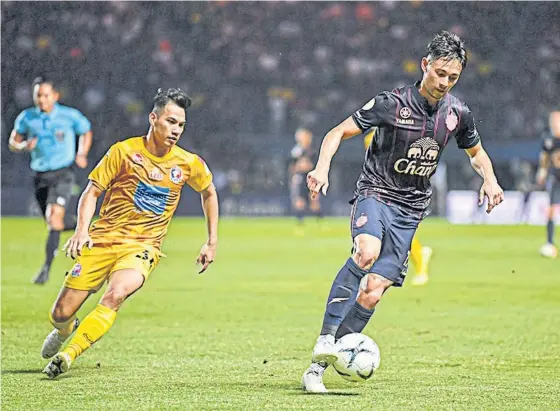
[[108, 168], [467, 136], [375, 112], [200, 177], [80, 123], [20, 125]]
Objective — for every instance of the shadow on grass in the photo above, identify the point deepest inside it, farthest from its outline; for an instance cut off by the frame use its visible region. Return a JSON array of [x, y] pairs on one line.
[[289, 388]]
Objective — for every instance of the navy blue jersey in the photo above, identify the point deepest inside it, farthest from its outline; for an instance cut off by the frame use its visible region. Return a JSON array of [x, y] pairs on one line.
[[551, 146], [302, 159], [406, 149]]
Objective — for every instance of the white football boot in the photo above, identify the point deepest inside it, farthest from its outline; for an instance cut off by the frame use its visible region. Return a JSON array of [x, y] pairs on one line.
[[59, 364], [324, 352], [312, 380], [54, 341]]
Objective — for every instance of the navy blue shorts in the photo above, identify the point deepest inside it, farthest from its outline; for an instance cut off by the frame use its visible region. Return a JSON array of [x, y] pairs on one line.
[[394, 227], [553, 188]]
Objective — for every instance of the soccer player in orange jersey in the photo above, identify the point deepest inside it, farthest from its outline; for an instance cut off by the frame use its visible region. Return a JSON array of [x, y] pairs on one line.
[[142, 178]]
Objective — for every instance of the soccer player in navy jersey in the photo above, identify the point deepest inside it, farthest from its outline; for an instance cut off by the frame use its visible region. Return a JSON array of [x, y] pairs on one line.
[[549, 175], [393, 192]]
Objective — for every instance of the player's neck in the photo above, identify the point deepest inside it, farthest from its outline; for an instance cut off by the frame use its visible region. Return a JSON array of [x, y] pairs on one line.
[[424, 93], [153, 149]]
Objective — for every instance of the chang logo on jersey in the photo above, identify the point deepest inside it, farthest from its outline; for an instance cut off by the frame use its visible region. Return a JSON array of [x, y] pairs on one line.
[[421, 158], [405, 114]]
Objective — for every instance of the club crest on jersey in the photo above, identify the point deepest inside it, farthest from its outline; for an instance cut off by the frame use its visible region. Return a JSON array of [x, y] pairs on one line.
[[405, 114], [176, 175], [421, 158], [137, 158], [59, 134], [77, 270], [156, 175], [361, 221], [451, 121]]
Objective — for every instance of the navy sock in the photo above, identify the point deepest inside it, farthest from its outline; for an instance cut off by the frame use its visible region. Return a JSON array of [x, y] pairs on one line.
[[355, 321], [52, 246], [342, 296], [550, 231]]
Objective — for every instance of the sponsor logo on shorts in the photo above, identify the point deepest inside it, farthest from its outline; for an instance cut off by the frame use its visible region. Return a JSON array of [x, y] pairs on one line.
[[361, 221], [61, 201], [156, 175], [77, 270], [137, 158], [176, 175]]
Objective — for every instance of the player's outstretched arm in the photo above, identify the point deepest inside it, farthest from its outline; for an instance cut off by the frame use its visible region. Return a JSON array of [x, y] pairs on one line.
[[209, 198], [318, 179], [482, 164], [86, 210]]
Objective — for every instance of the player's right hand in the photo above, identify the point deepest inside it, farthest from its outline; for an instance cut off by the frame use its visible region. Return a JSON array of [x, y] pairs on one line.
[[31, 144], [541, 177], [318, 180], [74, 245]]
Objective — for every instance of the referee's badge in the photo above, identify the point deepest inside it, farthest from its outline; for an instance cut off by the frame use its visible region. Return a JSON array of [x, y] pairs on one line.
[[451, 121]]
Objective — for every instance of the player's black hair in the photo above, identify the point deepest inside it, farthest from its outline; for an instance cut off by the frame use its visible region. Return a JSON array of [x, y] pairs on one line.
[[447, 46], [175, 95], [43, 80]]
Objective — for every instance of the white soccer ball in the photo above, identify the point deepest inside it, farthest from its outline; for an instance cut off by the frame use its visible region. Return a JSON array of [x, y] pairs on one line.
[[358, 357], [549, 251]]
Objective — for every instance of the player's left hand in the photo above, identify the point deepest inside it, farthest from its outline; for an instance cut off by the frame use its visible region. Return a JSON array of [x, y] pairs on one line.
[[81, 161], [492, 190], [74, 245], [206, 256]]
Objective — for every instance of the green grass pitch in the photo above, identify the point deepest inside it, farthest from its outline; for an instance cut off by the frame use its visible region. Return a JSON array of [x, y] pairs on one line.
[[484, 334]]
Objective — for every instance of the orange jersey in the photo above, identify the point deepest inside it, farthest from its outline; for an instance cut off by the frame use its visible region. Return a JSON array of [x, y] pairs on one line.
[[142, 191]]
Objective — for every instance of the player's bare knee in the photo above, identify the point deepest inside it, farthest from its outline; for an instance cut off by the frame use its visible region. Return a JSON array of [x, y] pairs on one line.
[[114, 297], [60, 314], [299, 204], [366, 250], [55, 219], [372, 288]]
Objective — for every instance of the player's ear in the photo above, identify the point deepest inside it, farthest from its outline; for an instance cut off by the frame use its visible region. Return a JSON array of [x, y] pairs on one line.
[[56, 95], [424, 64], [152, 117]]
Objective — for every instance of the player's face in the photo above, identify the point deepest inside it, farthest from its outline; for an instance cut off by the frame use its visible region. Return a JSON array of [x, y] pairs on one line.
[[440, 76], [303, 138], [44, 97], [169, 125]]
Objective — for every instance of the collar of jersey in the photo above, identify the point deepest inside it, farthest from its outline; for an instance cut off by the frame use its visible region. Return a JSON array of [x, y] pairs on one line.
[[52, 113], [151, 156]]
